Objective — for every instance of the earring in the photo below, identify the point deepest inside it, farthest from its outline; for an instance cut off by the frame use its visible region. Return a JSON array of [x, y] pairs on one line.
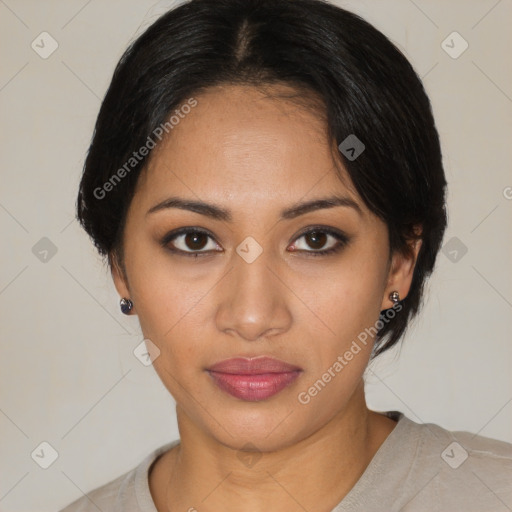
[[126, 305], [394, 297]]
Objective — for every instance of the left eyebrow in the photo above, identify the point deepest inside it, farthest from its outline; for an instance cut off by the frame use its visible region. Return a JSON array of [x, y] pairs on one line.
[[218, 213], [319, 204]]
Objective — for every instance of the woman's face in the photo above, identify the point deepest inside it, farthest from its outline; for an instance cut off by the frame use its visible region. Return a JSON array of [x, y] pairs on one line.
[[252, 283]]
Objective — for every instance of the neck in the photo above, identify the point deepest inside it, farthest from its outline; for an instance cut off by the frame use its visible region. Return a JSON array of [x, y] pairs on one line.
[[313, 474]]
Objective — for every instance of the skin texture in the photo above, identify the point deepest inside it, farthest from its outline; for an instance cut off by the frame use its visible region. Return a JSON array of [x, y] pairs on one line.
[[256, 155]]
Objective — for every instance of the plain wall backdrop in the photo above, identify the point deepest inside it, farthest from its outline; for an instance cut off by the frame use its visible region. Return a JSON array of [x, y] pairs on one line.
[[68, 375]]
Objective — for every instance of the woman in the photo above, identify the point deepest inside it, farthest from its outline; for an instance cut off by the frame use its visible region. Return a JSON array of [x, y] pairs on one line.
[[266, 181]]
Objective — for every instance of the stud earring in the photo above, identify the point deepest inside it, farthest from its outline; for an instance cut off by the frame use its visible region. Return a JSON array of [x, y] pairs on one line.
[[394, 297], [126, 305]]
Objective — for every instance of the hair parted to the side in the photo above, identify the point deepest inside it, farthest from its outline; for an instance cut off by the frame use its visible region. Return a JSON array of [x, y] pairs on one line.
[[366, 85]]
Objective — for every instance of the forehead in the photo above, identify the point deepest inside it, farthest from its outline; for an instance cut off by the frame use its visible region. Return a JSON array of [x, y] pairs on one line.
[[249, 147]]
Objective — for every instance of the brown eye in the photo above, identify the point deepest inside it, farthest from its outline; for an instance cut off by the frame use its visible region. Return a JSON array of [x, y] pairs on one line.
[[195, 241], [315, 241], [190, 242]]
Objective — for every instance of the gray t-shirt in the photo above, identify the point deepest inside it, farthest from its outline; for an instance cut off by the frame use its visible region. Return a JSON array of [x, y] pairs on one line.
[[418, 468]]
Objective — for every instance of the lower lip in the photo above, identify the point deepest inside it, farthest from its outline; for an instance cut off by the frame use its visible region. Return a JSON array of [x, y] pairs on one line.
[[253, 388]]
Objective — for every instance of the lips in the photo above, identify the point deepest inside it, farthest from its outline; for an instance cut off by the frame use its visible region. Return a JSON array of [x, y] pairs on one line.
[[253, 366], [253, 379]]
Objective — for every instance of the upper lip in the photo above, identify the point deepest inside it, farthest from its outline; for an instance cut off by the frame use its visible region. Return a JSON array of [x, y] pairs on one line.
[[253, 366]]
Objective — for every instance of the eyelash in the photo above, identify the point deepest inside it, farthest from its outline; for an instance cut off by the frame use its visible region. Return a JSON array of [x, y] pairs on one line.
[[342, 239]]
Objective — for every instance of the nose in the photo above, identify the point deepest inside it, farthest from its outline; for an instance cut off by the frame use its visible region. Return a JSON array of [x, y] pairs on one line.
[[253, 300]]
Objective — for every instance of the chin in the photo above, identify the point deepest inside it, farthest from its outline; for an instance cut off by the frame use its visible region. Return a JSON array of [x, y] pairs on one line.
[[265, 426]]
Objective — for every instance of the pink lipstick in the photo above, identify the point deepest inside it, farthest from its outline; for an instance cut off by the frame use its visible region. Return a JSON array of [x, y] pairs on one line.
[[253, 379]]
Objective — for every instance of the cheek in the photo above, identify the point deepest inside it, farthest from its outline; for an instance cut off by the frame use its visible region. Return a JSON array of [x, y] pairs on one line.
[[339, 348], [342, 300], [165, 289], [346, 306], [173, 304], [169, 317], [171, 312]]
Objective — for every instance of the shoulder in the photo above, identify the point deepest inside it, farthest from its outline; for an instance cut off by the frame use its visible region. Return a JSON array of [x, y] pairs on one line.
[[130, 491], [459, 469], [455, 448]]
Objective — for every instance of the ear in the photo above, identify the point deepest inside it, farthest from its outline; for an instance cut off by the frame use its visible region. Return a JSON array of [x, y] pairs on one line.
[[400, 273], [119, 278]]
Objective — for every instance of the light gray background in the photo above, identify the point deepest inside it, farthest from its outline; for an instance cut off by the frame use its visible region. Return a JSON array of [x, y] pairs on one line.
[[68, 374]]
